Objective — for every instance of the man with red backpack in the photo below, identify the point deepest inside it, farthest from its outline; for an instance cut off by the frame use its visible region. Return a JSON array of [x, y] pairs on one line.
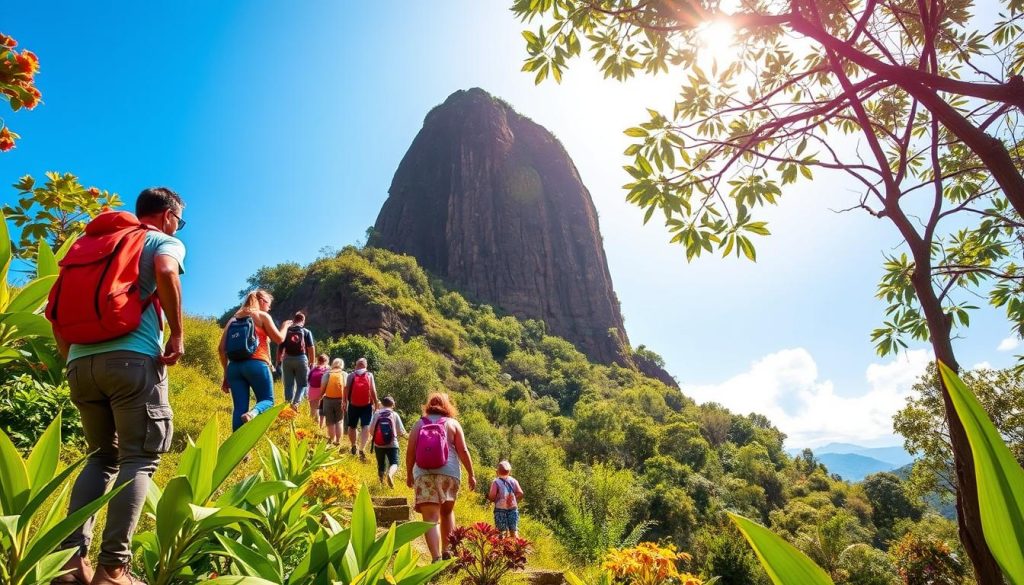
[[117, 287], [359, 403]]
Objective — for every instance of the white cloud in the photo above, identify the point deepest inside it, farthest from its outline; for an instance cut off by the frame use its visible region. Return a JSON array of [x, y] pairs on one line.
[[1009, 344], [785, 387], [982, 366]]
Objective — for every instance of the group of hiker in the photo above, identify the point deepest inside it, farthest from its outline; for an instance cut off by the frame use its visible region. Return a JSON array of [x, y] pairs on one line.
[[117, 358]]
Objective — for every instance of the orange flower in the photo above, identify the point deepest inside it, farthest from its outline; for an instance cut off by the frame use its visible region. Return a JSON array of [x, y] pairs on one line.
[[27, 62], [288, 414], [6, 41], [7, 139], [302, 434], [331, 486]]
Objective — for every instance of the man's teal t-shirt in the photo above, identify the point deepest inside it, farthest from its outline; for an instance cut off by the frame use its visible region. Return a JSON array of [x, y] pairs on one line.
[[147, 339]]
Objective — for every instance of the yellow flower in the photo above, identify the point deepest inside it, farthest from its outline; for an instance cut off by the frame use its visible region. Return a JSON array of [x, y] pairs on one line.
[[648, 564]]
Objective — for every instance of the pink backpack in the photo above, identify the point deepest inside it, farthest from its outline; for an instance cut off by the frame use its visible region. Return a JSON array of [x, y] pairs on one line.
[[432, 444]]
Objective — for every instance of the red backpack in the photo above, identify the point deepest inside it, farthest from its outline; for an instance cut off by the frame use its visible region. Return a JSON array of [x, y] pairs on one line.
[[96, 297], [359, 394]]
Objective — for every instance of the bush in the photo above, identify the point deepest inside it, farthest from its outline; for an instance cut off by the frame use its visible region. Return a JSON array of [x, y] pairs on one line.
[[202, 338], [352, 347], [28, 406], [409, 373]]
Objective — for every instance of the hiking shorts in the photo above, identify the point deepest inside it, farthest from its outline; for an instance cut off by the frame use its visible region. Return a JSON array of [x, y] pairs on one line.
[[434, 488], [331, 410], [506, 520], [358, 415]]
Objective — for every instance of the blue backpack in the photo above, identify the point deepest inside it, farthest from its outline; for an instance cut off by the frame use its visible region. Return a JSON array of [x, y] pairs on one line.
[[241, 341]]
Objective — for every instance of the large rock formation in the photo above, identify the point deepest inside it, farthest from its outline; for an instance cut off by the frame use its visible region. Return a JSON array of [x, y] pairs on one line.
[[490, 201]]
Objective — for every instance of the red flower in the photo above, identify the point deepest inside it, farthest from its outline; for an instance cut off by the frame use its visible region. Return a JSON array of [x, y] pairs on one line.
[[6, 139], [6, 41], [28, 62]]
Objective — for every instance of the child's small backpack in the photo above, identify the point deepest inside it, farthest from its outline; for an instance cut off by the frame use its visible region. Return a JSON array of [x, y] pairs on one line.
[[384, 430], [432, 444], [241, 341]]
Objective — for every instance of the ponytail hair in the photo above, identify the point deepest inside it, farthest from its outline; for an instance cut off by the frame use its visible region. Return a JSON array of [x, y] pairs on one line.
[[251, 305]]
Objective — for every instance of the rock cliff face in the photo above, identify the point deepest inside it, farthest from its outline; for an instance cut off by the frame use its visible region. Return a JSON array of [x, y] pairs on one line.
[[491, 201]]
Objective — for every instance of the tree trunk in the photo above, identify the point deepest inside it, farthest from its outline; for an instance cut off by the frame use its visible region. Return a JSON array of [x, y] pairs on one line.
[[987, 571]]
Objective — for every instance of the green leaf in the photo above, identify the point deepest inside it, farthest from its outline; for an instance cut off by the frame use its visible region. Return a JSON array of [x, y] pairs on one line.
[[63, 250], [252, 562], [265, 489], [45, 541], [364, 526], [49, 568], [237, 580], [636, 132], [40, 496], [5, 252], [784, 564], [15, 488], [42, 462], [1000, 479], [30, 298], [206, 462], [241, 442], [424, 574], [173, 510], [46, 261], [25, 325]]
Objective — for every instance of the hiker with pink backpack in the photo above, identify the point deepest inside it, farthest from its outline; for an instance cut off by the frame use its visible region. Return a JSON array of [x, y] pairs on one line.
[[437, 445]]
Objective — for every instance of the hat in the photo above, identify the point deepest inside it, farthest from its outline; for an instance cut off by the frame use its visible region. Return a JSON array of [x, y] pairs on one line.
[[505, 466]]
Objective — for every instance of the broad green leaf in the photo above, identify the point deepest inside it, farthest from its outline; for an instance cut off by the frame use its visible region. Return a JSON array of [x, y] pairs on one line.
[[424, 574], [405, 562], [14, 484], [42, 462], [364, 526], [241, 442], [173, 510], [5, 253], [782, 561], [46, 541], [404, 534], [24, 325], [222, 517], [30, 298], [49, 568], [237, 580], [206, 462], [46, 261], [265, 489], [1000, 479], [40, 496], [63, 250], [251, 562]]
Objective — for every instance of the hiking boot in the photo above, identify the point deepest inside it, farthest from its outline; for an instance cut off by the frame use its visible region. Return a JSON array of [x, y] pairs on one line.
[[81, 572], [353, 450], [390, 476], [362, 456], [119, 575], [248, 416]]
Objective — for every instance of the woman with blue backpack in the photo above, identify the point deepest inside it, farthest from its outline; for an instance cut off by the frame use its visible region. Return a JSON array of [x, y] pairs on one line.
[[437, 445], [245, 355]]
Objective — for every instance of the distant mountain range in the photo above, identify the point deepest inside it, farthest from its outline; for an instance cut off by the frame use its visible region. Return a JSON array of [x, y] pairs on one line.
[[855, 462]]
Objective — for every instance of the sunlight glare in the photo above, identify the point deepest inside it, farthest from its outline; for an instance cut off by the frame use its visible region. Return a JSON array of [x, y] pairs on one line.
[[717, 44]]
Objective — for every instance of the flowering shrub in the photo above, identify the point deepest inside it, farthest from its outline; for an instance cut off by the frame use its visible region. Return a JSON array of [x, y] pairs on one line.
[[484, 554], [648, 564], [926, 560], [302, 434], [331, 486], [17, 70], [288, 414]]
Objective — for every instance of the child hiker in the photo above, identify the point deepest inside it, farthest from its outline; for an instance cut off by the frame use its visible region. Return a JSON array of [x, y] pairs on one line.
[[385, 427], [505, 493]]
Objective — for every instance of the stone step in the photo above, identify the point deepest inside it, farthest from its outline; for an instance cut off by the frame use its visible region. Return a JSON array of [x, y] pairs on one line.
[[543, 577], [390, 501], [386, 515]]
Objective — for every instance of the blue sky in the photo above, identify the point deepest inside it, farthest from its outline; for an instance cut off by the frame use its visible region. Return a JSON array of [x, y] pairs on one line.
[[282, 125]]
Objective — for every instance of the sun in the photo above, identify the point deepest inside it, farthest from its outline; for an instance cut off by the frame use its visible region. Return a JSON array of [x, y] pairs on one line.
[[717, 41]]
